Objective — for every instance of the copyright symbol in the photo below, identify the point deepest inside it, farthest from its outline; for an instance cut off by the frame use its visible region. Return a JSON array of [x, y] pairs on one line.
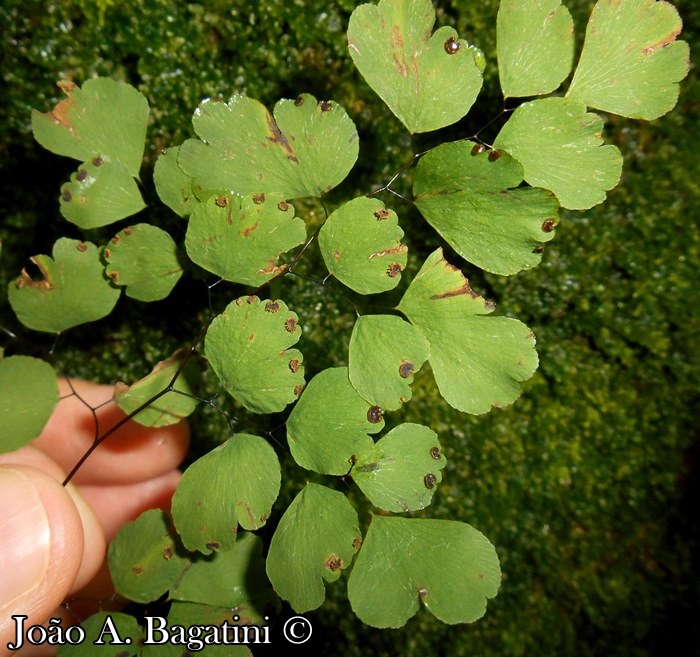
[[297, 630]]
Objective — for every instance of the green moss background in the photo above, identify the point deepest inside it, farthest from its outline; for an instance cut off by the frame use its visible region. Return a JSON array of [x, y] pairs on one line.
[[588, 485]]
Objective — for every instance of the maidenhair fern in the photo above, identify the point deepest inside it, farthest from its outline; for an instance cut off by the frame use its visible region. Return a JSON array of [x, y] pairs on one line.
[[496, 205]]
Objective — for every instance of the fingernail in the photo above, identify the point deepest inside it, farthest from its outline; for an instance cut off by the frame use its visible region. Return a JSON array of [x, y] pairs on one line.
[[25, 540]]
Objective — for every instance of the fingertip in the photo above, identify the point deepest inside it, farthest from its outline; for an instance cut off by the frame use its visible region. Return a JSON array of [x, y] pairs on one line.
[[41, 545]]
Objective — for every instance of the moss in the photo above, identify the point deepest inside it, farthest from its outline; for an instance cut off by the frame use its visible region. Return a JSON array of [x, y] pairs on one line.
[[583, 484]]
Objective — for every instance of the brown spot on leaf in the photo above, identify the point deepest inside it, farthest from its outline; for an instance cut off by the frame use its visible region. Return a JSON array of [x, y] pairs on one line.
[[113, 276], [538, 249], [394, 269], [107, 253], [276, 137], [290, 324], [221, 201], [294, 365], [213, 545], [336, 255], [381, 214], [263, 518], [272, 269], [548, 225], [66, 196], [82, 247], [357, 542], [374, 414], [435, 453], [423, 593], [396, 37], [251, 337], [661, 43], [83, 199], [128, 230], [258, 199], [465, 288], [406, 369], [452, 46], [272, 306], [494, 155], [168, 552], [250, 299], [81, 175], [97, 161], [24, 279], [430, 480], [60, 113], [298, 389], [248, 230], [299, 101], [399, 248], [137, 570], [477, 149], [116, 239], [325, 105], [334, 563], [283, 206]]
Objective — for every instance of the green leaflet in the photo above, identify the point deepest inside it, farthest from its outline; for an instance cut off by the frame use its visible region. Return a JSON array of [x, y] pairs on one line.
[[361, 246], [329, 425], [99, 627], [535, 46], [144, 558], [427, 81], [448, 566], [99, 193], [631, 63], [240, 240], [477, 361], [560, 147], [73, 289], [315, 540], [28, 397], [103, 124], [385, 352], [248, 346], [169, 408], [105, 118], [401, 471], [236, 483], [229, 578], [305, 149], [473, 199], [144, 259], [175, 188]]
